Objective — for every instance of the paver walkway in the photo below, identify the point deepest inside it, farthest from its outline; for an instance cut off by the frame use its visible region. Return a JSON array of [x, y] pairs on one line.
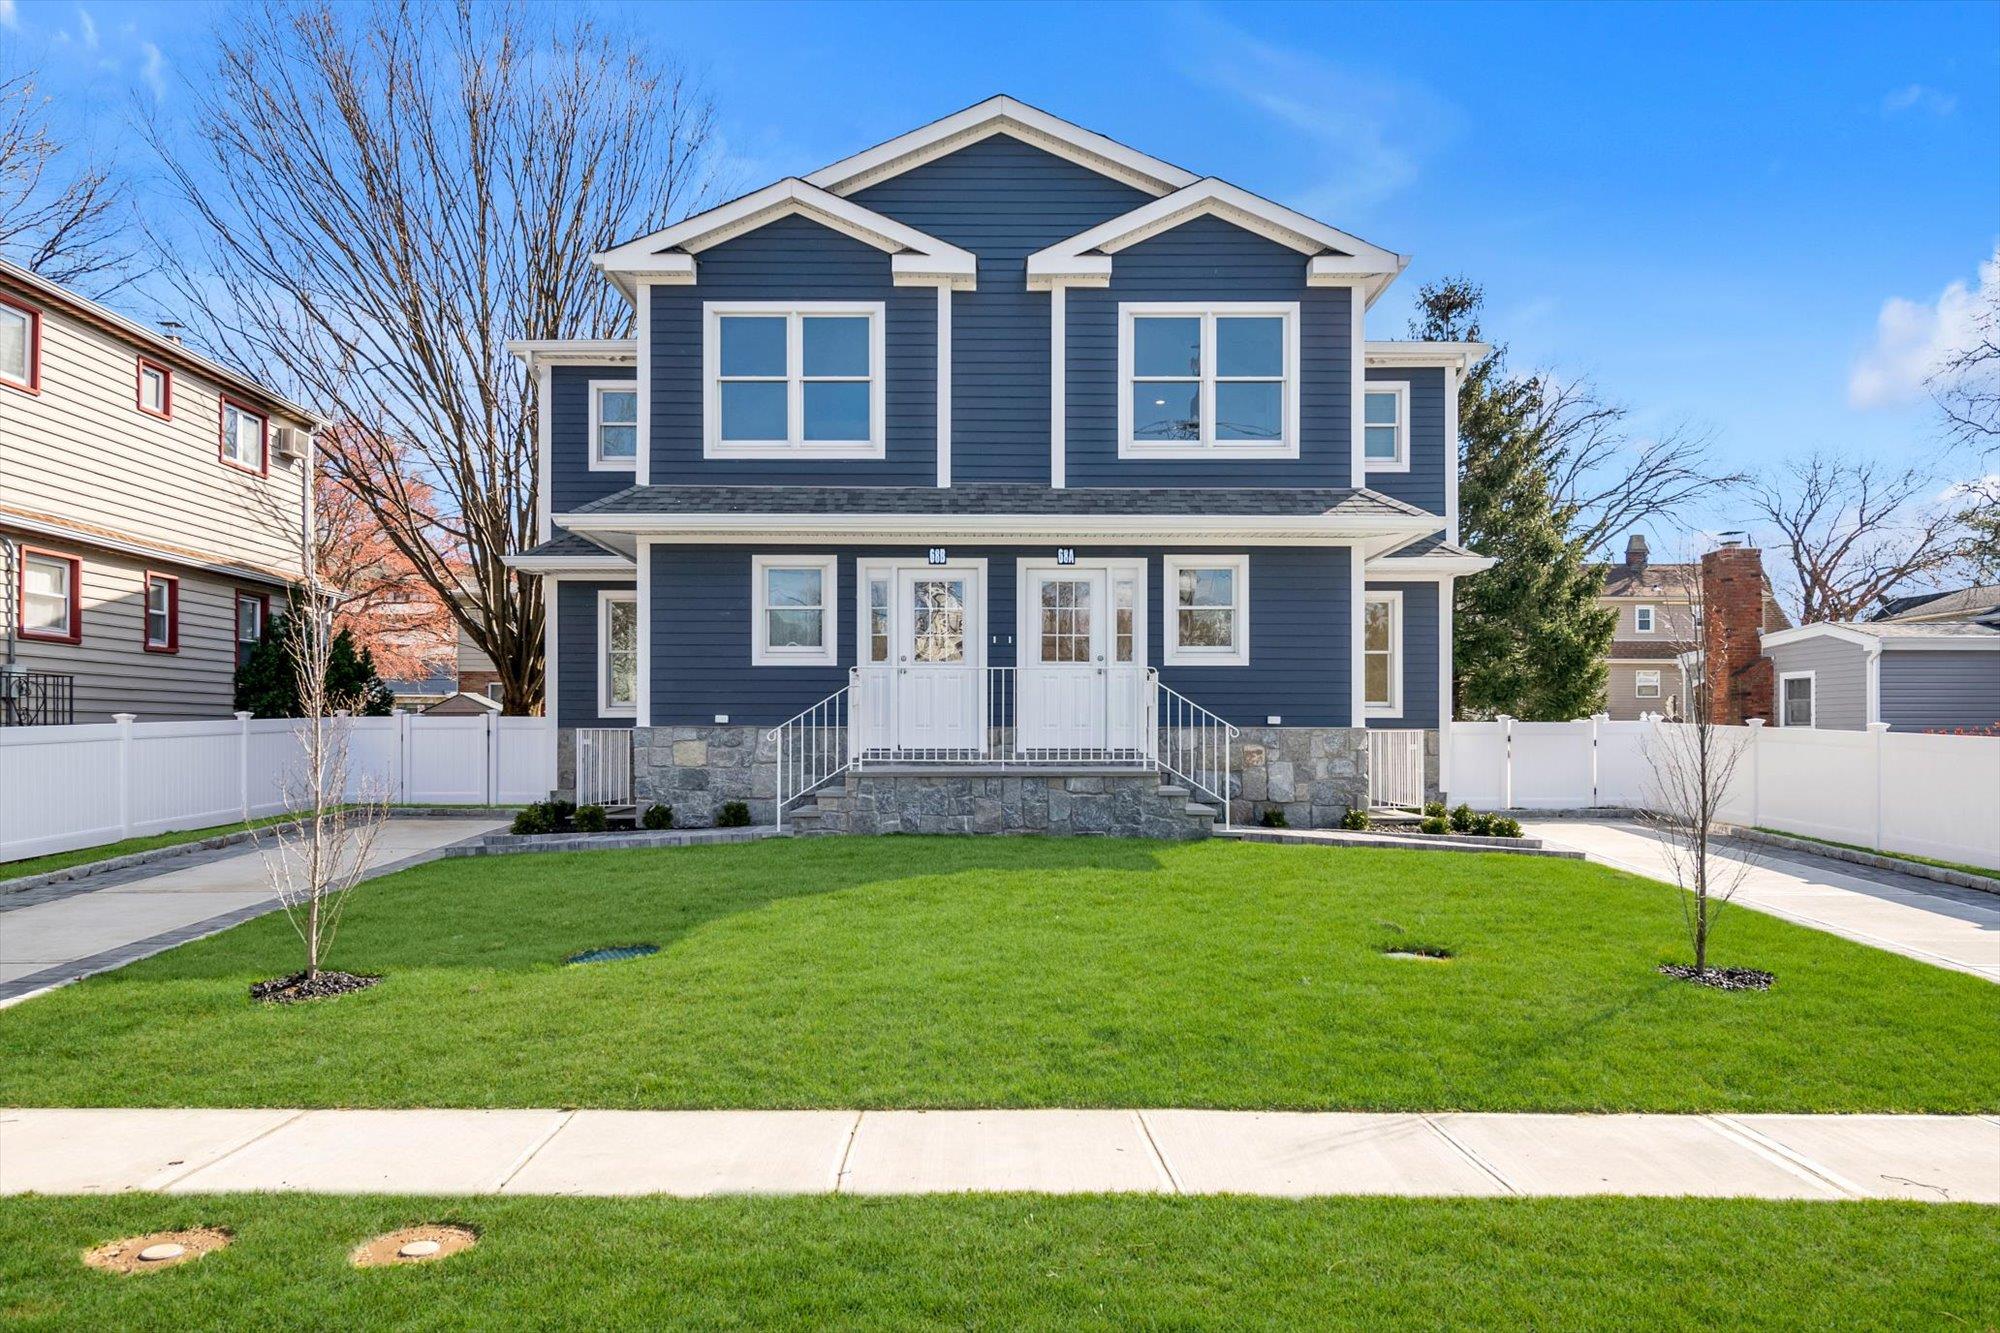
[[61, 932], [1297, 1154], [1919, 918]]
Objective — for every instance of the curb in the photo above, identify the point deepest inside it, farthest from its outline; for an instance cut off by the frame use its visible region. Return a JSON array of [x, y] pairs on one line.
[[1873, 860]]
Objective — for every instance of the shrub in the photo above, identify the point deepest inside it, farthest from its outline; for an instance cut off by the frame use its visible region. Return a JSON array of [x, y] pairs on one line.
[[532, 819], [1273, 818], [1482, 826], [657, 816], [1355, 820], [559, 811], [1505, 826], [590, 819], [1436, 824], [734, 814], [1461, 818], [1434, 810]]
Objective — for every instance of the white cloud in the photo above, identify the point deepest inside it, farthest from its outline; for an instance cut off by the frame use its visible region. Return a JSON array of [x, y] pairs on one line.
[[87, 26], [1914, 338], [10, 17], [1918, 97], [153, 69]]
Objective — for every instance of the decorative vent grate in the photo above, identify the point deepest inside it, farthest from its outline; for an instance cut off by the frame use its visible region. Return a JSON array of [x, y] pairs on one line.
[[616, 954]]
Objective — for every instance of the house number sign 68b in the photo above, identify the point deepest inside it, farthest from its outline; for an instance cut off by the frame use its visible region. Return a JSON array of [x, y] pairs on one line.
[[935, 555]]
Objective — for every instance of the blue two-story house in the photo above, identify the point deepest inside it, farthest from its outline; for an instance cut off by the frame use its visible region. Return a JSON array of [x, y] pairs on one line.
[[1000, 477]]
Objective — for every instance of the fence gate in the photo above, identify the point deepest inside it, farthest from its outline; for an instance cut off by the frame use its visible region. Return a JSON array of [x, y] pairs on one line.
[[1395, 770], [604, 766]]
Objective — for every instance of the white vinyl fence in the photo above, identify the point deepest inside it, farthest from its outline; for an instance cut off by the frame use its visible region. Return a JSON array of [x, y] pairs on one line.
[[63, 788], [1895, 791]]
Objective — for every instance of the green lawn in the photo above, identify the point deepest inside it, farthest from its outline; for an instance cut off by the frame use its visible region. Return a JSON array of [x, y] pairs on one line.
[[917, 972], [1021, 1262], [1960, 866], [42, 865]]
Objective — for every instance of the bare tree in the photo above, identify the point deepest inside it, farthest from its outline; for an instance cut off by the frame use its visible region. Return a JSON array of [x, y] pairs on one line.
[[1967, 385], [391, 192], [60, 216], [1854, 531]]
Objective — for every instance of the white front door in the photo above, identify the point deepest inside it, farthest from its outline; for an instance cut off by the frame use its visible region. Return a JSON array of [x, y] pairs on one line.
[[1062, 688], [937, 687]]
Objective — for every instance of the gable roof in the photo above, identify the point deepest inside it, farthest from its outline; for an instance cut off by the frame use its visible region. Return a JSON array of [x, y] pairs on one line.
[[1979, 600], [668, 255], [1335, 257], [1877, 634], [1001, 115]]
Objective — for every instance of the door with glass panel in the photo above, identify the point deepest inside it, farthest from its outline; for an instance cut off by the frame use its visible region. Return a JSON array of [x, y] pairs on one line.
[[1080, 686], [936, 684]]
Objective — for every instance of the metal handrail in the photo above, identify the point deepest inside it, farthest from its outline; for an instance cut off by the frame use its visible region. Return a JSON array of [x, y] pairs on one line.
[[812, 747], [1196, 746]]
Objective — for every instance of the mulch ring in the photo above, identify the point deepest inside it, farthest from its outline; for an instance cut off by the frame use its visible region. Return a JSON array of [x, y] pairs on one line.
[[299, 986], [1721, 978], [414, 1245], [161, 1249]]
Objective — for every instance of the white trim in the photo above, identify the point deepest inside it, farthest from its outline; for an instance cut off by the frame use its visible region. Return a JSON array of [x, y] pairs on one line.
[[608, 563], [643, 582], [642, 314], [606, 597], [544, 478], [797, 446], [1378, 530], [551, 614], [1357, 591], [1059, 387], [1000, 115], [944, 385], [1452, 464], [1812, 698], [538, 352], [1113, 568], [1357, 388], [1460, 357], [1659, 682], [1400, 391], [867, 568], [1208, 446], [1238, 653], [1652, 625], [828, 652], [1872, 678], [598, 462], [1446, 609], [1393, 707], [1942, 643]]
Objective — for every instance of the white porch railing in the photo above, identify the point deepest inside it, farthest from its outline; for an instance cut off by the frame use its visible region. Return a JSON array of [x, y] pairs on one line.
[[1197, 747], [812, 749], [1395, 770], [604, 766]]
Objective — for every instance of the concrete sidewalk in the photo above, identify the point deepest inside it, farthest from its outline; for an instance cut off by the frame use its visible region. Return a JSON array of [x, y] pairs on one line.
[[58, 933], [1290, 1154], [1918, 918]]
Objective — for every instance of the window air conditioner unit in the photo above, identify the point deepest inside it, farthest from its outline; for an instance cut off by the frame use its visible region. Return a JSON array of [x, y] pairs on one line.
[[289, 441]]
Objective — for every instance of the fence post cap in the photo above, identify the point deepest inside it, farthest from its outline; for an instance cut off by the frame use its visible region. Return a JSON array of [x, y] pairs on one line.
[[244, 717], [1878, 727], [124, 719], [1753, 721]]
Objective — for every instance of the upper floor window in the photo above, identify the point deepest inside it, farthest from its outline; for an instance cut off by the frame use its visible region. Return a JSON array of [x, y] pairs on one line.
[[20, 346], [617, 653], [163, 613], [50, 603], [1382, 653], [1642, 619], [614, 424], [1200, 381], [1208, 610], [784, 378], [1385, 427], [156, 389], [795, 610], [251, 610], [245, 438]]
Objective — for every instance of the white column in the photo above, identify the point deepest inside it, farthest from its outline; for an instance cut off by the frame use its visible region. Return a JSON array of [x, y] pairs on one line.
[[642, 314], [1357, 434], [1444, 710], [243, 762], [1058, 368], [644, 711], [944, 385], [1357, 701]]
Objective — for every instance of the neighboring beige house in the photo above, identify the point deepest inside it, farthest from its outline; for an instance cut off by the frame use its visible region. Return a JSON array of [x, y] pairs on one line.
[[1656, 628], [154, 507]]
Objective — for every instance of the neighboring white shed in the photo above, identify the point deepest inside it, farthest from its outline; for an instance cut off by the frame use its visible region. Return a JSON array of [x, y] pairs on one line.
[[1915, 676]]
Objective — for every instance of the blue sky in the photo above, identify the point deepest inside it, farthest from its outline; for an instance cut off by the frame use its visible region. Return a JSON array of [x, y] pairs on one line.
[[1756, 219]]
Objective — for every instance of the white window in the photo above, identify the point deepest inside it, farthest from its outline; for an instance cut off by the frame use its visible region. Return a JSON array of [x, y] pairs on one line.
[[242, 437], [1195, 381], [785, 378], [49, 597], [1385, 427], [20, 346], [1645, 684], [796, 611], [1642, 619], [163, 613], [1795, 699], [251, 608], [614, 425], [878, 617], [1208, 610], [1382, 653], [156, 389], [617, 653]]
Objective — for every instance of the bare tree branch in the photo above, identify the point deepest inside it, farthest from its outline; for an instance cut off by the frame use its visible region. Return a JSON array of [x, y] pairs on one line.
[[65, 219], [1967, 385]]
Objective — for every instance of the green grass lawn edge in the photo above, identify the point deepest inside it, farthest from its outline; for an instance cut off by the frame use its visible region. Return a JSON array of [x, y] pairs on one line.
[[152, 842], [1960, 866]]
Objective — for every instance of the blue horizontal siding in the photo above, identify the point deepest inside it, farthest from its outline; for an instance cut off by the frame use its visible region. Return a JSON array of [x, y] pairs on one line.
[[1424, 484], [576, 654], [1003, 200], [1209, 259], [701, 634], [571, 482], [795, 259], [1420, 655]]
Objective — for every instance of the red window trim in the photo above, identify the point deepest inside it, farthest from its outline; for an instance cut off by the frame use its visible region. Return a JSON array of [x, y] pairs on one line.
[[75, 564], [145, 364], [34, 384], [263, 468], [173, 643]]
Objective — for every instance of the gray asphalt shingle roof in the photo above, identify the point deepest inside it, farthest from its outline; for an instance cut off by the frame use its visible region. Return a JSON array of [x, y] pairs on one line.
[[992, 498], [569, 544]]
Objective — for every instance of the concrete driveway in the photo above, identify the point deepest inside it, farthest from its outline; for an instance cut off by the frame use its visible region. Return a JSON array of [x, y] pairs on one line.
[[57, 934], [1918, 918]]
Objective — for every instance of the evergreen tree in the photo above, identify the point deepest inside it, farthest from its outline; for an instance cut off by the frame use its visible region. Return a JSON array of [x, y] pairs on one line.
[[267, 682], [1528, 637]]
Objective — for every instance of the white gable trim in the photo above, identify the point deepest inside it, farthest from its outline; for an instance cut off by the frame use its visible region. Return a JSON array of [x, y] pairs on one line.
[[1461, 357], [668, 255], [1001, 115]]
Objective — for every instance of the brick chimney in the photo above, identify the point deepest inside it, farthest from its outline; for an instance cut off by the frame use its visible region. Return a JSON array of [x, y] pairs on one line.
[[1740, 678], [1635, 551]]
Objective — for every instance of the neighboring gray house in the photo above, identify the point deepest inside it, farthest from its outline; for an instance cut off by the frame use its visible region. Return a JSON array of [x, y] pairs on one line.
[[1915, 676], [1978, 602]]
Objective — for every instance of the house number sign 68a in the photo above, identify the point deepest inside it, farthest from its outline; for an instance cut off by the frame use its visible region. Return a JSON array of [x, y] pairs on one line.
[[1065, 555]]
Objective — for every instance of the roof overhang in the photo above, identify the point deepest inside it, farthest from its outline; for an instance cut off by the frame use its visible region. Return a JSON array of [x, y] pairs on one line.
[[1334, 258], [669, 255], [1001, 115], [1388, 569], [1819, 630], [534, 352], [608, 563], [1461, 356]]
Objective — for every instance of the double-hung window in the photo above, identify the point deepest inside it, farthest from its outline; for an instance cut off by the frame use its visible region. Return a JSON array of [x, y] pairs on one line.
[[793, 378], [614, 425], [156, 389], [795, 611], [1642, 619], [251, 610], [20, 346], [1646, 684], [1213, 380], [1208, 610], [1382, 653], [50, 604], [1795, 699], [617, 653], [244, 438], [163, 613], [1385, 427]]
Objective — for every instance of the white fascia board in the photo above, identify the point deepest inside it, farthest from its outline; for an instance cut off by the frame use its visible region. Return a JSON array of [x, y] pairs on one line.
[[1945, 643], [533, 352], [569, 564], [931, 529], [997, 115], [1458, 356], [1422, 567], [1818, 630]]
